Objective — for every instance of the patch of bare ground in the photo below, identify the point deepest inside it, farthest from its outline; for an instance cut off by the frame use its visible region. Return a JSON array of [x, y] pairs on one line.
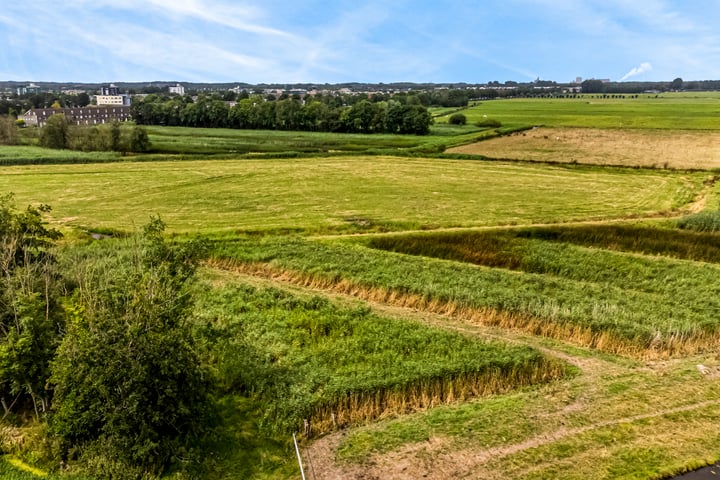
[[641, 148]]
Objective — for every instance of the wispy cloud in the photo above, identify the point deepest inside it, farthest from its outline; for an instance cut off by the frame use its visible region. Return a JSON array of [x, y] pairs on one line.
[[643, 68], [289, 41]]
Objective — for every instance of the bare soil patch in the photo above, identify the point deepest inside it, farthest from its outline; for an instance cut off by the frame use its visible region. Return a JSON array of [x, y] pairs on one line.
[[641, 148]]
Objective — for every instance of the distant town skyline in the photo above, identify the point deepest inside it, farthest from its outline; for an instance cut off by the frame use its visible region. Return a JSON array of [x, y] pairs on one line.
[[313, 41]]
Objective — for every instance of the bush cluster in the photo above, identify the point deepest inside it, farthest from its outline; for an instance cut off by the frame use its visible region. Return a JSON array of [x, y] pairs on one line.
[[60, 133]]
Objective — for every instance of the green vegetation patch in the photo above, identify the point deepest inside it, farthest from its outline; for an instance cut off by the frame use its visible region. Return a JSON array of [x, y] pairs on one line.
[[609, 300], [512, 248], [310, 360], [30, 155], [175, 140], [707, 221], [646, 111]]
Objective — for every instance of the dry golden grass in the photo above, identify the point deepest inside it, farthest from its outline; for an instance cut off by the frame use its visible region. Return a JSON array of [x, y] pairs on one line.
[[642, 148]]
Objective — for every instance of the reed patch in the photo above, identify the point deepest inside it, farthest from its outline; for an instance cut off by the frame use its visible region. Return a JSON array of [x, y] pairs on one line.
[[619, 303], [316, 366]]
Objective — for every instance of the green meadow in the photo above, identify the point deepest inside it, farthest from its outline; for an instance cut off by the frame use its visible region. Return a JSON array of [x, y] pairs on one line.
[[668, 111], [415, 314], [325, 195]]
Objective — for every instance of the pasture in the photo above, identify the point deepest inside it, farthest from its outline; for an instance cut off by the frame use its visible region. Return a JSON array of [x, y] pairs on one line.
[[431, 317], [323, 195], [668, 111]]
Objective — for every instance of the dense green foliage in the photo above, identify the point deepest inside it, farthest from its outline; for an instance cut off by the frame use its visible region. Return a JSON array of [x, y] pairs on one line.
[[60, 133], [30, 316], [325, 115], [304, 357], [130, 391], [457, 119], [8, 130]]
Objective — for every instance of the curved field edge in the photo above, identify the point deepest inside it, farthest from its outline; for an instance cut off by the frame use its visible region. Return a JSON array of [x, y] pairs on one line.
[[641, 324], [318, 366]]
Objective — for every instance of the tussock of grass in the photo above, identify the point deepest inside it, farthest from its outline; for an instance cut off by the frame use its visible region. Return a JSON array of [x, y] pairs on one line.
[[308, 360]]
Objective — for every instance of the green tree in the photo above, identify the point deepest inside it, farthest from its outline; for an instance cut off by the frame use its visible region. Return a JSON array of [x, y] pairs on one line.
[[56, 133], [677, 84], [457, 119], [8, 130], [139, 141], [30, 315], [130, 390]]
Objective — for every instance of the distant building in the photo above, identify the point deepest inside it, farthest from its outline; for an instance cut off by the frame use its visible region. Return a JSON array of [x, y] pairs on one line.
[[110, 90], [122, 100], [73, 92], [177, 89], [37, 117], [28, 90]]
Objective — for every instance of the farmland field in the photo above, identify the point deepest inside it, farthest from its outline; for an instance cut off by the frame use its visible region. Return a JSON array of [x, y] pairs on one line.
[[689, 149], [413, 314], [343, 193]]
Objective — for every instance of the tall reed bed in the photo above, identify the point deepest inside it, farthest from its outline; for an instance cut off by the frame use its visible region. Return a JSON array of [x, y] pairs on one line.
[[707, 221], [641, 307], [316, 366], [504, 248]]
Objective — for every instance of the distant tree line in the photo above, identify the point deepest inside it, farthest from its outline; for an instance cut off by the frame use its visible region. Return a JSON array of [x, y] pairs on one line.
[[320, 114], [18, 105]]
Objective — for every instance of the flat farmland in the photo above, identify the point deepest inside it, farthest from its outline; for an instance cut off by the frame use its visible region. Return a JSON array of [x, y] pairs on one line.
[[665, 112], [689, 149], [330, 194]]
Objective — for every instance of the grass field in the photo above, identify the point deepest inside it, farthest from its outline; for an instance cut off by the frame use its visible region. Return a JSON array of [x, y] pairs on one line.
[[332, 366], [206, 141], [358, 277], [667, 112], [690, 149], [341, 194]]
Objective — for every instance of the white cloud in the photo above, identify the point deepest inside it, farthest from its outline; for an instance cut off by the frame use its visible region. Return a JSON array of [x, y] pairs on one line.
[[643, 68]]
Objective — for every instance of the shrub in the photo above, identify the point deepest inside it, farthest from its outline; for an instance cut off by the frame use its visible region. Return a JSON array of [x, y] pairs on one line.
[[489, 123], [457, 119]]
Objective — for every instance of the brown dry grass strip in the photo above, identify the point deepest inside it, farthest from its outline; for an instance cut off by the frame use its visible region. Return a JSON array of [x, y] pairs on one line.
[[659, 348]]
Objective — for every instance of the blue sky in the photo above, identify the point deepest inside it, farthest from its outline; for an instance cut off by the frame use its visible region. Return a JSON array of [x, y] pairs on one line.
[[334, 41]]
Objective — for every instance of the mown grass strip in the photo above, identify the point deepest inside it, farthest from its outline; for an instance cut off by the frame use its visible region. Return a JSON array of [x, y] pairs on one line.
[[341, 194]]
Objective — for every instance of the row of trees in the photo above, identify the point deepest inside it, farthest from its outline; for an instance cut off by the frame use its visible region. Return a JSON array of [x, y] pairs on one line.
[[60, 133], [97, 344], [257, 112]]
